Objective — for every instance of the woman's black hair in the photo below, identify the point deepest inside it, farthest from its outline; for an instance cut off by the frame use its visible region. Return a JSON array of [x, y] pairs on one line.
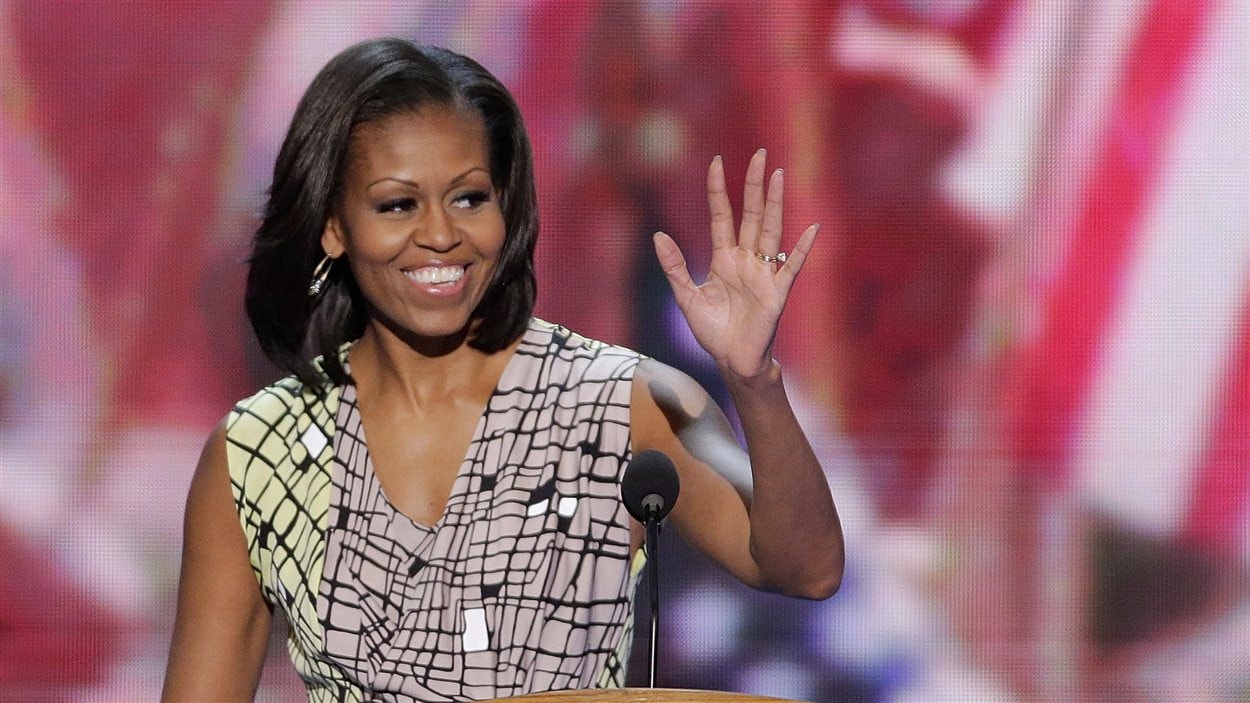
[[366, 83]]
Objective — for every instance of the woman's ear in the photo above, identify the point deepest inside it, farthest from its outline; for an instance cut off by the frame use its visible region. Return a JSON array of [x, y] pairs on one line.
[[332, 240]]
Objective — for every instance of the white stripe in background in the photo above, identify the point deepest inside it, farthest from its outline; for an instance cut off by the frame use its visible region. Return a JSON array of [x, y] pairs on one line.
[[1150, 408], [991, 173], [1063, 61]]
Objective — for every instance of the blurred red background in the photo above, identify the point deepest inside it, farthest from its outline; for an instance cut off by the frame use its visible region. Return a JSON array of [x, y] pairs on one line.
[[1022, 345]]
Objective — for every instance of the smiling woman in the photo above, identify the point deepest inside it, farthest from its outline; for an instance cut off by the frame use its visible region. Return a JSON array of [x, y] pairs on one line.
[[419, 221], [351, 103], [433, 500]]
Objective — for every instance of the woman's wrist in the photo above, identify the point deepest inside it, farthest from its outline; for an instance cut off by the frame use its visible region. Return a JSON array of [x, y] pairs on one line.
[[767, 378]]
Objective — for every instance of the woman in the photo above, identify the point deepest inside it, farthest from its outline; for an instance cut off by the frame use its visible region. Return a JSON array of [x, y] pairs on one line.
[[475, 546]]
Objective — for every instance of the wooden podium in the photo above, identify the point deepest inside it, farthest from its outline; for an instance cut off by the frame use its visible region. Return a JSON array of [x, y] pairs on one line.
[[639, 695]]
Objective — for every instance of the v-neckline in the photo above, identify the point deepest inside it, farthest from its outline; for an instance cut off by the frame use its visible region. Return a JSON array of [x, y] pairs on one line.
[[465, 467]]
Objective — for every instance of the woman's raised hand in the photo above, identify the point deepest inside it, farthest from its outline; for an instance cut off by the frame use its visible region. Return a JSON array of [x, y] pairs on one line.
[[734, 313]]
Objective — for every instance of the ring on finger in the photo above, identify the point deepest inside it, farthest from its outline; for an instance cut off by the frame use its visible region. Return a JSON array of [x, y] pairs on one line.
[[779, 258]]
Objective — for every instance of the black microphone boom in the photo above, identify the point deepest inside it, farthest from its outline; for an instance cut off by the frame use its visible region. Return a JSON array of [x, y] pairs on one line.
[[649, 489]]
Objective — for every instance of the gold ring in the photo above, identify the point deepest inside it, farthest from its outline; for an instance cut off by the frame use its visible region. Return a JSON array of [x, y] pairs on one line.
[[780, 258]]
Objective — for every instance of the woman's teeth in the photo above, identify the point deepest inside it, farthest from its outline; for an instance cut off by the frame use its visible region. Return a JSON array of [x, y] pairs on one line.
[[436, 274]]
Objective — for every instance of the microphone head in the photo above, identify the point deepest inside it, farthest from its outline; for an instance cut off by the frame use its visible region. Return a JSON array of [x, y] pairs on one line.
[[650, 482]]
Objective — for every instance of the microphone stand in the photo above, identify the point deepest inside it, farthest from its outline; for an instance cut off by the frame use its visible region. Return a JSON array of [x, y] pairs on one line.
[[652, 477], [652, 504]]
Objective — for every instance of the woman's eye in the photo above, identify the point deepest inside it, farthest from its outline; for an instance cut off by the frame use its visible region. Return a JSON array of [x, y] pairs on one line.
[[471, 200], [396, 205]]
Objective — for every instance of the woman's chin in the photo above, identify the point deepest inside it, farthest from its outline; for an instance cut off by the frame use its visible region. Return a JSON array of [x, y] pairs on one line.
[[430, 332]]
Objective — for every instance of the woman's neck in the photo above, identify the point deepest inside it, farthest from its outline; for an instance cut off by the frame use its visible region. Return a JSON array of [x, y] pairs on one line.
[[423, 370]]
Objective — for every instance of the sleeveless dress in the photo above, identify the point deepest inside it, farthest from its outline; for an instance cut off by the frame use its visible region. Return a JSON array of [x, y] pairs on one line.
[[524, 584]]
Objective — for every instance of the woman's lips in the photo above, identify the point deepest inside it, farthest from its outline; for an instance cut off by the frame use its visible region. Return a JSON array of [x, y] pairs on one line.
[[438, 279]]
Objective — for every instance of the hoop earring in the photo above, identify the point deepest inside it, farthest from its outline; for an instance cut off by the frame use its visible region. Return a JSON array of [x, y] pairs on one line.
[[319, 277]]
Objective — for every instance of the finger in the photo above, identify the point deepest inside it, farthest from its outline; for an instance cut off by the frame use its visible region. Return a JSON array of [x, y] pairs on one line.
[[673, 263], [718, 204], [794, 263], [770, 237], [752, 203]]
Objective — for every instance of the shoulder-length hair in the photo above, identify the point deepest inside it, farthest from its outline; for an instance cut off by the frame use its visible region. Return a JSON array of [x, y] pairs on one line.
[[366, 83]]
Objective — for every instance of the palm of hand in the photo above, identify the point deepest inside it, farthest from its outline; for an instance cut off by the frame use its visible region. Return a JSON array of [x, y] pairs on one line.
[[735, 312]]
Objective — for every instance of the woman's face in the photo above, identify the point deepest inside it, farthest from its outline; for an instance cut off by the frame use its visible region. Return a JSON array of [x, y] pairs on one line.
[[419, 220]]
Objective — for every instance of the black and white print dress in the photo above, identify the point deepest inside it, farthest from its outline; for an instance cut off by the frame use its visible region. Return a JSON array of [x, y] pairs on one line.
[[526, 581]]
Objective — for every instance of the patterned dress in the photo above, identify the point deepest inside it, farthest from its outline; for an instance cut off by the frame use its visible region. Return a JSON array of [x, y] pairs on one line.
[[524, 584]]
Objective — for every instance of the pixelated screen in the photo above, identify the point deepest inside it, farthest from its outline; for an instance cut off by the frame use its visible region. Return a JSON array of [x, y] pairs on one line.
[[1021, 346]]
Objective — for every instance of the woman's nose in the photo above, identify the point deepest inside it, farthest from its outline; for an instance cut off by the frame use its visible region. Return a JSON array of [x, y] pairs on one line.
[[437, 231]]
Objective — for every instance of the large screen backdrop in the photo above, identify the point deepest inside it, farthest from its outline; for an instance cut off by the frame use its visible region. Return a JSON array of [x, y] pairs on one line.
[[1021, 347]]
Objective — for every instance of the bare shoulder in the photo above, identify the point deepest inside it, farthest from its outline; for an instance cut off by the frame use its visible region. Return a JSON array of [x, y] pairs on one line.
[[222, 620], [678, 399], [212, 528], [213, 459], [209, 496], [671, 412]]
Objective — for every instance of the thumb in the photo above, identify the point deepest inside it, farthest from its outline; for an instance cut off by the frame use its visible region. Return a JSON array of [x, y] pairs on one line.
[[673, 263]]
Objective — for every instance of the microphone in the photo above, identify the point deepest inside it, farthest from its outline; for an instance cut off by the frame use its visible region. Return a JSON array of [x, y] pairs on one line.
[[649, 489], [650, 486]]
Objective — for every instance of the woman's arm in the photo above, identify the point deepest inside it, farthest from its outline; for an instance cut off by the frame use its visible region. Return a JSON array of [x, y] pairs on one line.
[[767, 517], [766, 514], [222, 625]]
